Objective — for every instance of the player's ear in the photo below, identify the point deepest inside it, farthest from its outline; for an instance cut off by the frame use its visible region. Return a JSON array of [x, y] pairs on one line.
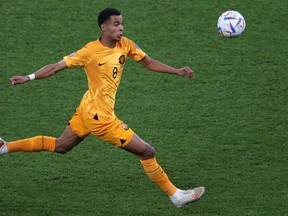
[[103, 27]]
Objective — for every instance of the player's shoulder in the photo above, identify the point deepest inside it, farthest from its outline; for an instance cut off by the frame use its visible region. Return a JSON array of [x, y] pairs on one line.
[[92, 44], [91, 47], [125, 40], [126, 43]]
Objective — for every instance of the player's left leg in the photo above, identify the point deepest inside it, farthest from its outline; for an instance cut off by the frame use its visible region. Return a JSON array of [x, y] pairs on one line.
[[146, 153], [120, 135]]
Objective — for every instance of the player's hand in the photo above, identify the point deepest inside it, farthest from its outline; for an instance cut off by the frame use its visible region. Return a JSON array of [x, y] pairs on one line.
[[186, 72], [19, 80]]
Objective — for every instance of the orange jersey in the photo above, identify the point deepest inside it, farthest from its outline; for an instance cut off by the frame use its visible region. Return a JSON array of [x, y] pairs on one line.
[[104, 67]]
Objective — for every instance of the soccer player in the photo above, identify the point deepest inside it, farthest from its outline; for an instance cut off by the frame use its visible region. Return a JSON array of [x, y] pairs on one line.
[[103, 61]]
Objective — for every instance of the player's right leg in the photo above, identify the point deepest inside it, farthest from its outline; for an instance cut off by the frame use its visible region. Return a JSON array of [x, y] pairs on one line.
[[3, 146], [62, 144], [33, 144], [67, 141], [74, 133]]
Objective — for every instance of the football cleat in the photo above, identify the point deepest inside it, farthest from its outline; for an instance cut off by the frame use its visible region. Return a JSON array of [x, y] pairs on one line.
[[3, 146], [183, 197]]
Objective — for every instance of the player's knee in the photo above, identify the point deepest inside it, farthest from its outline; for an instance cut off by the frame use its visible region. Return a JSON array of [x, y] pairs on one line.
[[61, 148], [149, 152]]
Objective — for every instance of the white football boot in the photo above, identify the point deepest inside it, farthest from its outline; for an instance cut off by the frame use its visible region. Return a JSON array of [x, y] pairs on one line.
[[182, 197], [3, 146]]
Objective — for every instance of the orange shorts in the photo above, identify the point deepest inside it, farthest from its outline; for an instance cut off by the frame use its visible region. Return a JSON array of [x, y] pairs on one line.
[[113, 131]]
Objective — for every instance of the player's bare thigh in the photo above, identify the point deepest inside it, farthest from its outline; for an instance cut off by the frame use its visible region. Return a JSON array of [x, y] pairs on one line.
[[67, 141], [140, 148]]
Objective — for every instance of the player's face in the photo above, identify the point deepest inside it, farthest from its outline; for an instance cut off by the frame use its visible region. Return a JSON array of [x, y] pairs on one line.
[[114, 28]]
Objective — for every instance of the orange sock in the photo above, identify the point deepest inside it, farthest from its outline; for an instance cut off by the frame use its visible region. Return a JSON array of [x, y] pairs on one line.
[[34, 144], [157, 174]]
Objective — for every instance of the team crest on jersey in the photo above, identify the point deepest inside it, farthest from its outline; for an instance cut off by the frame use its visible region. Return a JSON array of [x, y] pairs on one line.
[[122, 60]]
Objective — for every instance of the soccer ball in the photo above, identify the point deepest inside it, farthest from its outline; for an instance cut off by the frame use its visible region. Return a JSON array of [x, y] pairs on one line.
[[231, 24]]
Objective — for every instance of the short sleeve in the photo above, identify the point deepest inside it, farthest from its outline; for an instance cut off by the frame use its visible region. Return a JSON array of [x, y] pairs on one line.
[[135, 52], [80, 58]]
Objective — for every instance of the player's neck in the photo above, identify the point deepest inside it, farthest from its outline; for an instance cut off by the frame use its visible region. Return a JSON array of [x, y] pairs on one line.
[[107, 42]]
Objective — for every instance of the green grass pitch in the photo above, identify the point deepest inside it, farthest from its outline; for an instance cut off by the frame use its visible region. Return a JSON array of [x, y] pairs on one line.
[[225, 129]]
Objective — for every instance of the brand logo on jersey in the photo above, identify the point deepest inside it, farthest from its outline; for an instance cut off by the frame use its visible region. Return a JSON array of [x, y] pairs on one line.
[[100, 64], [122, 59]]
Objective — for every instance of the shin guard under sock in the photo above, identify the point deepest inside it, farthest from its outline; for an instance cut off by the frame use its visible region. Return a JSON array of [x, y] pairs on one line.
[[157, 175], [34, 144]]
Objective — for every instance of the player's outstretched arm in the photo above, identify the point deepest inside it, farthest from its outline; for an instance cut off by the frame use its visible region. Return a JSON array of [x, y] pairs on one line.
[[44, 72], [157, 66]]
